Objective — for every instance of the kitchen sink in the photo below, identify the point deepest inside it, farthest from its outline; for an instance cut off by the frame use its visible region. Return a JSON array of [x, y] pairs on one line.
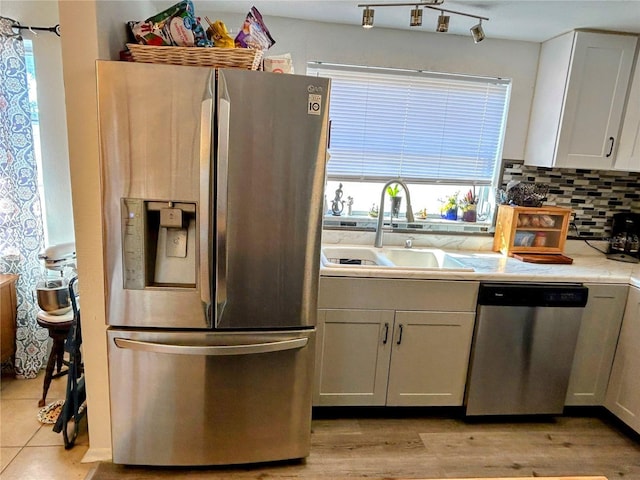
[[353, 256], [424, 259]]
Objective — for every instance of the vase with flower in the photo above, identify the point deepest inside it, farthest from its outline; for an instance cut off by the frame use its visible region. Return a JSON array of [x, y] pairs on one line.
[[468, 206], [396, 200], [449, 207]]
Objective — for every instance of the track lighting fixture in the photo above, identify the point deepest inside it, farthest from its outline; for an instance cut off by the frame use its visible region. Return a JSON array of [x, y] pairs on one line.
[[477, 32], [443, 23], [416, 17], [367, 17]]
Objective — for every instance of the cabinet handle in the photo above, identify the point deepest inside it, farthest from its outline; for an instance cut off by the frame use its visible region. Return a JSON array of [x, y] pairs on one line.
[[386, 334], [612, 140], [400, 328]]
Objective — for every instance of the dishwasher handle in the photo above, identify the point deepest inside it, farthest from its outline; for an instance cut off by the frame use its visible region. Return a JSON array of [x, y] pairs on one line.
[[210, 350]]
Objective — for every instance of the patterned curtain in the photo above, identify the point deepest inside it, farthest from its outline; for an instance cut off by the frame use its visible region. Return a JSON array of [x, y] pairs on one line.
[[21, 231]]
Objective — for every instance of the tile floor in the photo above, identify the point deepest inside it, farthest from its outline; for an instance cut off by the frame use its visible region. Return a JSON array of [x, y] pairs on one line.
[[30, 450]]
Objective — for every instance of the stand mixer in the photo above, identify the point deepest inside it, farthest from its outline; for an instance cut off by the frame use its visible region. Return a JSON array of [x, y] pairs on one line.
[[52, 289], [54, 300]]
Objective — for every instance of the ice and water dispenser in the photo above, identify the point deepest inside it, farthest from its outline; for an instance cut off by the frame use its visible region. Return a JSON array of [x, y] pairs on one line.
[[159, 243]]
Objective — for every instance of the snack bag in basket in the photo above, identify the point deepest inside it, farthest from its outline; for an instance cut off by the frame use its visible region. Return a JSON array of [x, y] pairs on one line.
[[254, 33], [218, 34], [177, 25]]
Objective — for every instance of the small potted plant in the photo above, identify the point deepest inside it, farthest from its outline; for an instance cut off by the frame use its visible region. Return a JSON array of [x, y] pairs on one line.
[[468, 206], [396, 200], [449, 207]]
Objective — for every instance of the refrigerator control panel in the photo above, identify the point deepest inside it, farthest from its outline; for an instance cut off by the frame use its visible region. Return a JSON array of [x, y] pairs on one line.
[[133, 243]]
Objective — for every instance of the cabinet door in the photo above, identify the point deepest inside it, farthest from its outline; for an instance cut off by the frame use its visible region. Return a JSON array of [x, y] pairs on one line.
[[628, 156], [352, 357], [595, 96], [578, 103], [430, 358], [623, 392], [596, 344]]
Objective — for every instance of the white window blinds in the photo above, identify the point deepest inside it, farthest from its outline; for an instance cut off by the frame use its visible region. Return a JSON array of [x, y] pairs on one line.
[[418, 126]]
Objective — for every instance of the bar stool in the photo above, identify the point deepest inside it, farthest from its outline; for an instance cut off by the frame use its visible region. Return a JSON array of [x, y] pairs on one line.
[[58, 327]]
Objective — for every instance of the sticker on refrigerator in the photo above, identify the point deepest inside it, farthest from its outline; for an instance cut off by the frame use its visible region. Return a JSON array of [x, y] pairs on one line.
[[315, 104]]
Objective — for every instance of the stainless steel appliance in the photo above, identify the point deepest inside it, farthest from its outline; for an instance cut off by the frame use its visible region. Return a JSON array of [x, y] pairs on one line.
[[524, 341], [625, 238], [212, 187]]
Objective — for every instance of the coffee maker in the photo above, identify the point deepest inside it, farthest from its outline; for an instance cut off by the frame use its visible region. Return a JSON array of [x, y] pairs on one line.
[[624, 244]]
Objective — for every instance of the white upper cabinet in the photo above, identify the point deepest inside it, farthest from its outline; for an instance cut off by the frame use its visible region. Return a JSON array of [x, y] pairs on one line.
[[579, 99], [628, 156]]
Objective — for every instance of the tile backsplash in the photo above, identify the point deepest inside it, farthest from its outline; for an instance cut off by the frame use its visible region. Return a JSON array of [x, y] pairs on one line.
[[594, 195]]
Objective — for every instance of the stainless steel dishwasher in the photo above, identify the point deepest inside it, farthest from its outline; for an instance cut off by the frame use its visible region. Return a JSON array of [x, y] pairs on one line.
[[524, 341]]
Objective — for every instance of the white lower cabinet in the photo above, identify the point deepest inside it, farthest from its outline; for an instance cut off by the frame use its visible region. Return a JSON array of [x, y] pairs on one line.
[[352, 357], [623, 392], [596, 344], [429, 358], [410, 348]]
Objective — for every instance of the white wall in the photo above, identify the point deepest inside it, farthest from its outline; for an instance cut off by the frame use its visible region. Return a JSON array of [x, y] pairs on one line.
[[306, 41], [419, 50], [80, 88], [81, 104], [53, 126], [101, 34]]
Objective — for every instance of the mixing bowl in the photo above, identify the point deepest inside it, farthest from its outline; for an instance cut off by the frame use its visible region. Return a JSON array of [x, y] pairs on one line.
[[53, 296]]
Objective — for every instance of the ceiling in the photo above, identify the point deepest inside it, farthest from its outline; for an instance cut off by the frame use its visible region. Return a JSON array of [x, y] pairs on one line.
[[529, 20]]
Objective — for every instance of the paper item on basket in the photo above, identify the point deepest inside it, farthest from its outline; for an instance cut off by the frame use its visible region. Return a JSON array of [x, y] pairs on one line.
[[254, 33], [177, 25], [279, 64]]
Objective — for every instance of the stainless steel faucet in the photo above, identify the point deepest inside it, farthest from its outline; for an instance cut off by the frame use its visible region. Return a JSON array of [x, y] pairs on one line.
[[378, 240]]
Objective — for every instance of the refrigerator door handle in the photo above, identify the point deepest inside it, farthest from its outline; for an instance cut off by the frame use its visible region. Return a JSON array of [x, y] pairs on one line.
[[206, 112], [211, 350], [224, 110]]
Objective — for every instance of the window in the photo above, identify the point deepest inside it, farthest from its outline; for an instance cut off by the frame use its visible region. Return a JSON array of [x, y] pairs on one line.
[[429, 129], [35, 124]]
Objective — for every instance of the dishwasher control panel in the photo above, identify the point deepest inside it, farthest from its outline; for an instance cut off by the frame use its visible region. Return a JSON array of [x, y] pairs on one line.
[[533, 294]]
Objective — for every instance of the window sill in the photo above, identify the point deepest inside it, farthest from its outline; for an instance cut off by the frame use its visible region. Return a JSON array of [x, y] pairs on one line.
[[430, 225]]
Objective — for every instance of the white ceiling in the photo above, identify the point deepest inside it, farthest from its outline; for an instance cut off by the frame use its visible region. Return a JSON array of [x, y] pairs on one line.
[[529, 20]]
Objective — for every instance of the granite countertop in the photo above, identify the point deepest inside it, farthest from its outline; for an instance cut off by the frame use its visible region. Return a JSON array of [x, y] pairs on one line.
[[588, 265]]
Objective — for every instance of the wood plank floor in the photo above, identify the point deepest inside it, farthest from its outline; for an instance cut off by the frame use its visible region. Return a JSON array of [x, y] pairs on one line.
[[392, 444]]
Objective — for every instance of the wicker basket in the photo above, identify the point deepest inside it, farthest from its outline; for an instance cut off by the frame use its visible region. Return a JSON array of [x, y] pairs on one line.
[[244, 58]]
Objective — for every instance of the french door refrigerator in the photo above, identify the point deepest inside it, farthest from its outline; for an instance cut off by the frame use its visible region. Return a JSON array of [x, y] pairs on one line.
[[212, 185]]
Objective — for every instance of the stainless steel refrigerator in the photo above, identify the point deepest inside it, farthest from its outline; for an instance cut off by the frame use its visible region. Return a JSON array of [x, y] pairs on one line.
[[212, 187]]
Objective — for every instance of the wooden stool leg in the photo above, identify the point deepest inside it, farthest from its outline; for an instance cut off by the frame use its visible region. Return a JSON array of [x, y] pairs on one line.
[[59, 346], [58, 332], [48, 375]]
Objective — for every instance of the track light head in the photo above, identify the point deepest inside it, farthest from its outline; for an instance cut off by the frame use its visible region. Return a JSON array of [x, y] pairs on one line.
[[416, 17], [367, 17], [477, 32], [443, 23]]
